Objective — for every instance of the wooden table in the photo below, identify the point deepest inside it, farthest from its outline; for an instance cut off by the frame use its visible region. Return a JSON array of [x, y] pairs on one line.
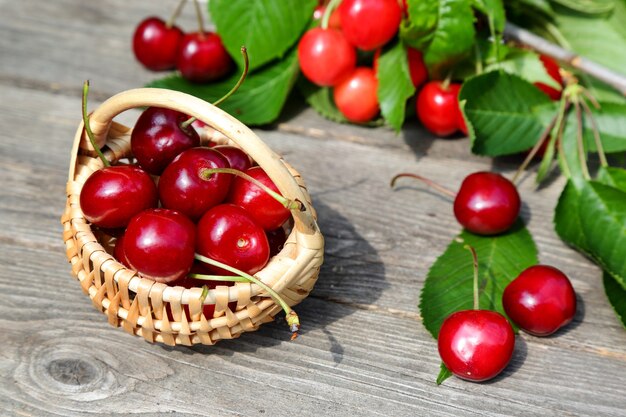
[[363, 350]]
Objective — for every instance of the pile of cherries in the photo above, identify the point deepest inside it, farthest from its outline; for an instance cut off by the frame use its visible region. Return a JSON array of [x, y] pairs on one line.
[[328, 58], [162, 46], [182, 200], [478, 344]]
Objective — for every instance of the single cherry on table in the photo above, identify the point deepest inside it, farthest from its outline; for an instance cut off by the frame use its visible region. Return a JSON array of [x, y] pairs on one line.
[[438, 107], [155, 44], [356, 95], [325, 56], [202, 57], [540, 300]]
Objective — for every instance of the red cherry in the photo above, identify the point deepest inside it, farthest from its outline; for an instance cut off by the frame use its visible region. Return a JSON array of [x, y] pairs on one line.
[[552, 68], [262, 207], [112, 196], [159, 244], [438, 108], [184, 188], [155, 45], [540, 300], [325, 56], [159, 136], [118, 252], [487, 203], [369, 24], [417, 68], [228, 234], [276, 239], [237, 158], [203, 58], [476, 344], [355, 96]]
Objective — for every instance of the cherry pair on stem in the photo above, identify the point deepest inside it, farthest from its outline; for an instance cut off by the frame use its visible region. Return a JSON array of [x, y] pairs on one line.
[[477, 344], [199, 56]]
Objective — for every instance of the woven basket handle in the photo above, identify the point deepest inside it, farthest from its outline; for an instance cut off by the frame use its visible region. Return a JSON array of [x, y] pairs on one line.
[[100, 121]]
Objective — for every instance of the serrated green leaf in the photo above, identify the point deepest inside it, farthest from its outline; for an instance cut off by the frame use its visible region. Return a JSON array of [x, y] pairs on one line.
[[417, 29], [267, 28], [616, 295], [453, 36], [507, 113], [394, 84], [444, 373], [612, 176], [611, 121], [258, 101], [567, 221], [525, 64], [449, 284]]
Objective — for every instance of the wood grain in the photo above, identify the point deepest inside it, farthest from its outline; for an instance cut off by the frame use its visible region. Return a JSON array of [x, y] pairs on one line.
[[363, 350]]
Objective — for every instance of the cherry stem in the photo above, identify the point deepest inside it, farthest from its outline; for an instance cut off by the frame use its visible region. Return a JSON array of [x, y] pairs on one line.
[[596, 134], [206, 173], [425, 180], [291, 317], [332, 5], [446, 83], [544, 136], [582, 155], [175, 15], [90, 134], [565, 105], [475, 266], [244, 74], [199, 18], [228, 278]]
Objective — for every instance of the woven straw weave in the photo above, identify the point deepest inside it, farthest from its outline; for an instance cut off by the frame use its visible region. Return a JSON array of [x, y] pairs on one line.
[[140, 306]]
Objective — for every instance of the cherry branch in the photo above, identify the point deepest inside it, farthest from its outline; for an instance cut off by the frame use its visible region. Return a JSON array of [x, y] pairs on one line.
[[545, 47]]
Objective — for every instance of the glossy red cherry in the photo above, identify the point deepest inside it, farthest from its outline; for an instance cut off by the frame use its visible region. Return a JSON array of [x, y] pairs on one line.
[[438, 108], [276, 238], [417, 68], [540, 300], [159, 136], [552, 68], [159, 244], [186, 188], [237, 158], [325, 56], [369, 24], [112, 196], [476, 344], [118, 252], [155, 44], [356, 97], [262, 207], [228, 234], [487, 203], [202, 58]]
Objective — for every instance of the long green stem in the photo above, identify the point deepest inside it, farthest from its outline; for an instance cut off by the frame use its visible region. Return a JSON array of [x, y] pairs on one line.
[[332, 5], [292, 318], [596, 134], [544, 136], [175, 15], [425, 180], [199, 18], [582, 154], [246, 66], [206, 173], [566, 103], [475, 266], [90, 134]]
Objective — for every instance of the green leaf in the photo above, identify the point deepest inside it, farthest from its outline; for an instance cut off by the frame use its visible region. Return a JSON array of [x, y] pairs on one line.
[[258, 101], [493, 9], [614, 177], [267, 28], [588, 6], [444, 373], [453, 36], [417, 30], [525, 64], [611, 121], [616, 295], [394, 84], [506, 112], [449, 284], [567, 221]]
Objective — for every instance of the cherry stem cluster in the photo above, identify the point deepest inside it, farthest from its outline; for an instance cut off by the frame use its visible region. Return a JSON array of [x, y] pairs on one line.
[[244, 74], [291, 317], [425, 180], [207, 173], [172, 20], [90, 134]]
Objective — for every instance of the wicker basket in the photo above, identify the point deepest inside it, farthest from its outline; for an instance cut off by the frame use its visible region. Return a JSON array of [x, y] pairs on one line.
[[140, 306]]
